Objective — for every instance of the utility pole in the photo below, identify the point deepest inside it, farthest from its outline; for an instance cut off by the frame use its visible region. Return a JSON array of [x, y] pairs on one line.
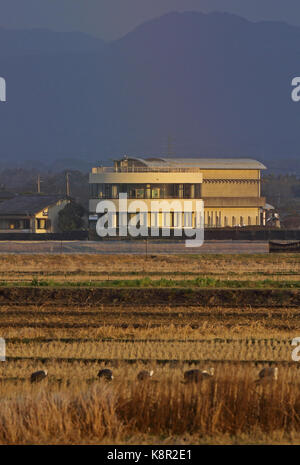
[[39, 184], [68, 184]]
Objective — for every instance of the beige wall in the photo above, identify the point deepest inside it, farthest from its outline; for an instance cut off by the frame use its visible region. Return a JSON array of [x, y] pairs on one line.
[[230, 174], [236, 188], [230, 189], [216, 217], [50, 213]]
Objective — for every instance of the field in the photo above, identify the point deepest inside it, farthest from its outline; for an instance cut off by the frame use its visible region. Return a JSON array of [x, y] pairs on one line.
[[73, 314]]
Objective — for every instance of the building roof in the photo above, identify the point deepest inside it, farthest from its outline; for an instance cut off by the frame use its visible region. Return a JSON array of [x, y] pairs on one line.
[[6, 195], [28, 204], [202, 163]]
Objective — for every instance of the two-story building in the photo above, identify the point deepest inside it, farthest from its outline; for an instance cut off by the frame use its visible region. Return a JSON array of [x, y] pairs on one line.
[[230, 188]]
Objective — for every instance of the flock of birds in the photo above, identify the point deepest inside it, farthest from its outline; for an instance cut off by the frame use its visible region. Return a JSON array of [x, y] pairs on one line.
[[265, 376]]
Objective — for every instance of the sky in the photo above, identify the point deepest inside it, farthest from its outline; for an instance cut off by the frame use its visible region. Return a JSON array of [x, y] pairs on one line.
[[111, 19]]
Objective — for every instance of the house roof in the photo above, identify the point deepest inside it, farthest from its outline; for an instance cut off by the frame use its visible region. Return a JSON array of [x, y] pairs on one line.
[[202, 163], [28, 204], [6, 195]]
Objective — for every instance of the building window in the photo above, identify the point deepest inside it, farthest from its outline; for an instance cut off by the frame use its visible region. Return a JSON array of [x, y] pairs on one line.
[[123, 188], [144, 219], [233, 221], [177, 220], [249, 220], [154, 219], [188, 219], [187, 194], [139, 193], [197, 191], [225, 221], [41, 224], [241, 221], [19, 224], [107, 191], [155, 193], [167, 220]]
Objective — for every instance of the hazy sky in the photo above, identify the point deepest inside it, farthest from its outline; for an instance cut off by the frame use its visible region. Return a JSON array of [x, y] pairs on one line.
[[111, 19]]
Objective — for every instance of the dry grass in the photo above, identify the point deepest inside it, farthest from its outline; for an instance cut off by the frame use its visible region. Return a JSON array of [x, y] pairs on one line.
[[202, 264], [73, 407], [206, 350], [230, 406], [144, 322], [209, 328]]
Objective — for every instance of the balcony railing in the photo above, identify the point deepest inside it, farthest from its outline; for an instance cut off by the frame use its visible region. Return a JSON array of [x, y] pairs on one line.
[[135, 169]]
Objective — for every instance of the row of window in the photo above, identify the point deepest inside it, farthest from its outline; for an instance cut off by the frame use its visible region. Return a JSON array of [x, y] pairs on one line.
[[216, 220], [145, 191], [23, 224], [14, 224], [154, 219], [179, 220]]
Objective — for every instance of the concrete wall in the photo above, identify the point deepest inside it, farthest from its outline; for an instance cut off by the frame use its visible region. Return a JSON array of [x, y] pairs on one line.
[[231, 183], [223, 217]]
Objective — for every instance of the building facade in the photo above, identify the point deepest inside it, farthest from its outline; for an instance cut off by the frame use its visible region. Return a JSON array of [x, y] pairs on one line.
[[230, 189]]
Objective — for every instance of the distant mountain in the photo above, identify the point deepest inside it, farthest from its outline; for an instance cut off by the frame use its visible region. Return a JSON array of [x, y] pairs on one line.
[[217, 84], [23, 42]]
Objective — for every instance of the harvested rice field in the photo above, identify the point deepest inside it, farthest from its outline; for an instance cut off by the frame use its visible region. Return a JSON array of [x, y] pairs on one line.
[[73, 315]]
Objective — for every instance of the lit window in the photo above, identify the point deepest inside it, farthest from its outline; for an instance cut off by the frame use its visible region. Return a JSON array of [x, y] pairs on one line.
[[139, 193], [188, 219], [154, 219], [155, 193]]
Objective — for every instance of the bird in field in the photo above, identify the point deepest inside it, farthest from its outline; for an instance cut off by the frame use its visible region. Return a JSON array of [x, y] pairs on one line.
[[106, 374], [267, 375], [144, 375], [196, 376], [38, 376], [208, 373]]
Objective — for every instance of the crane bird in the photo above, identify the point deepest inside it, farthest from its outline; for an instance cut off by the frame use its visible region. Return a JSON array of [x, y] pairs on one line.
[[106, 374], [267, 375], [144, 375], [196, 376], [38, 376]]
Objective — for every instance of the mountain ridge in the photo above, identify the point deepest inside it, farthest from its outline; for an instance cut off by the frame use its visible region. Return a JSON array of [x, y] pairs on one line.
[[220, 85]]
